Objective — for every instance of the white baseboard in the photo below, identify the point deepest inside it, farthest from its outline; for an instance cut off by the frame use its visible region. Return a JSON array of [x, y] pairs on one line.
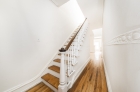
[[107, 78], [38, 76]]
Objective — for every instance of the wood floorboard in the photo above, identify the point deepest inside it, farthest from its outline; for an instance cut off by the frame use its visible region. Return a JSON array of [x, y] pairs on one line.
[[92, 79], [104, 84]]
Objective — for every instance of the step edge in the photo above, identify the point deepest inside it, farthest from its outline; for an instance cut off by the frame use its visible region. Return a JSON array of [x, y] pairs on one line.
[[50, 86]]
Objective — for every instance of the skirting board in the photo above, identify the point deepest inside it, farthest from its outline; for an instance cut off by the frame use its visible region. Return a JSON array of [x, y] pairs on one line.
[[107, 78], [80, 70], [39, 74]]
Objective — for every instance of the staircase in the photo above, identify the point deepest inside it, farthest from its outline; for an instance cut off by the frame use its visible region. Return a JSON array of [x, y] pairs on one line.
[[58, 78], [41, 87]]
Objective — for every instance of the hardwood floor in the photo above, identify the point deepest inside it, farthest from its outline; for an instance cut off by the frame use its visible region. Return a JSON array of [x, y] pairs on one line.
[[92, 79]]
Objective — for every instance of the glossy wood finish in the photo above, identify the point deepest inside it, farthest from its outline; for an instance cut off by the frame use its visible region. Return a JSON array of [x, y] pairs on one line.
[[54, 81], [55, 68], [57, 60], [92, 79], [41, 87]]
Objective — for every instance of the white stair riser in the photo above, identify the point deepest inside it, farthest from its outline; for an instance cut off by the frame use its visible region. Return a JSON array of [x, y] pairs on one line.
[[54, 73], [49, 85]]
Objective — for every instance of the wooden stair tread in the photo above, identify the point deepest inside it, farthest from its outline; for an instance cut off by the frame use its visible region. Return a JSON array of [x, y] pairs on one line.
[[55, 68], [47, 90], [60, 54], [36, 87], [57, 60], [39, 88], [52, 80]]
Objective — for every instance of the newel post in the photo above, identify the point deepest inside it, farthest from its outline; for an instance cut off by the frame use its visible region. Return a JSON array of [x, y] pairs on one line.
[[62, 86]]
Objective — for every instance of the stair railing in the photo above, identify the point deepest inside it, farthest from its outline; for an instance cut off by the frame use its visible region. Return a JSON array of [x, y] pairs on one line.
[[69, 56]]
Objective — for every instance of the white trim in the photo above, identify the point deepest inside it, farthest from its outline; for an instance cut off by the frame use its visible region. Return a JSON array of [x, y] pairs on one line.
[[41, 72], [107, 78], [130, 37], [80, 71], [71, 73], [127, 32]]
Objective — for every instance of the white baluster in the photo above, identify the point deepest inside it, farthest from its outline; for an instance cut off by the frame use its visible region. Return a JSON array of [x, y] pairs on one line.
[[73, 53], [70, 58], [68, 72], [69, 61], [62, 86]]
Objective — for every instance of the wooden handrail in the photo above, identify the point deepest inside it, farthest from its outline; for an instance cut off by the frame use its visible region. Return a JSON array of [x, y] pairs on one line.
[[67, 47]]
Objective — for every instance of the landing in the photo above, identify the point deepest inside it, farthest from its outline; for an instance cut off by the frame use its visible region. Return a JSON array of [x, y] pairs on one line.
[[92, 78]]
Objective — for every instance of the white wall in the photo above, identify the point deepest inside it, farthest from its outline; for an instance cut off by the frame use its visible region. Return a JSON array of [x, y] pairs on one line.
[[122, 61], [93, 10], [31, 32], [97, 33], [91, 42]]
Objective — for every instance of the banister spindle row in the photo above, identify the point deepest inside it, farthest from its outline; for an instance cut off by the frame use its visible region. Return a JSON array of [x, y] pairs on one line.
[[69, 57]]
